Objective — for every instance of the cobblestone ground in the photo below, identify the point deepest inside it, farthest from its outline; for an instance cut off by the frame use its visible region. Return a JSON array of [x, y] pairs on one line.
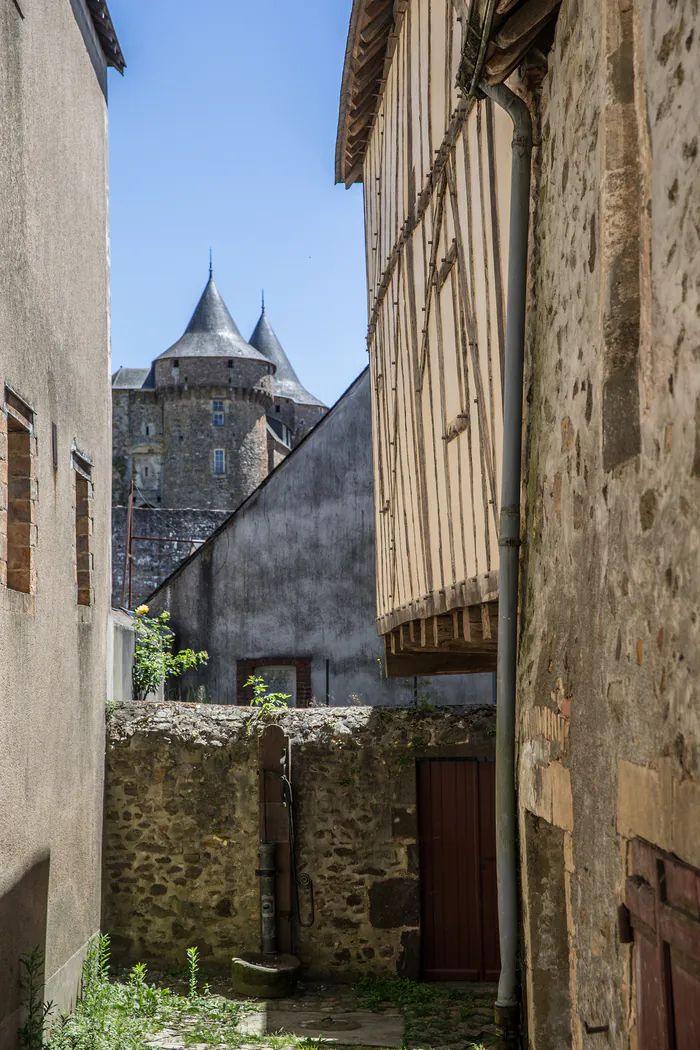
[[458, 1017]]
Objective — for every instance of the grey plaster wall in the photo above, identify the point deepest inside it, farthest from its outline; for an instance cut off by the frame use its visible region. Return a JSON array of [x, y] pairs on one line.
[[54, 351], [291, 575]]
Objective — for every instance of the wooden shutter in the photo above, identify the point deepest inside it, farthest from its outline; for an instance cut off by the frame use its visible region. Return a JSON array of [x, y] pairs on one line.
[[663, 897]]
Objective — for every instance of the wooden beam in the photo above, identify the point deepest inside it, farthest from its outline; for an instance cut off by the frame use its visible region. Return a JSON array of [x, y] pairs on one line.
[[485, 621], [406, 665]]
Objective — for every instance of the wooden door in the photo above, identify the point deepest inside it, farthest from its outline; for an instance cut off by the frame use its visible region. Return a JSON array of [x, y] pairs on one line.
[[457, 841]]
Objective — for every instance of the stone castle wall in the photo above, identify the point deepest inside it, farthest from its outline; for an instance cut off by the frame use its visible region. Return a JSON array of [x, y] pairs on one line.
[[188, 478], [181, 830], [609, 721], [154, 561]]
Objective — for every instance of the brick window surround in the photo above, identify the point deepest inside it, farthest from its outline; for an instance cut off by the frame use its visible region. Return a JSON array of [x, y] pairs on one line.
[[17, 495], [82, 501], [302, 665]]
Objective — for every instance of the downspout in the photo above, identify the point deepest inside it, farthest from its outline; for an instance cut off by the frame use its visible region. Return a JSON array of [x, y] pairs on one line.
[[506, 1010]]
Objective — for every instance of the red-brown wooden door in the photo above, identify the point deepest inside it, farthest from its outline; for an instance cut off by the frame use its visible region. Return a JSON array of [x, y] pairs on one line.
[[457, 841]]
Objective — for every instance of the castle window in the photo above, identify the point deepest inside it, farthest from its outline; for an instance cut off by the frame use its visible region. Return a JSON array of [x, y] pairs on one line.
[[277, 408], [219, 463], [230, 364], [176, 363], [217, 413]]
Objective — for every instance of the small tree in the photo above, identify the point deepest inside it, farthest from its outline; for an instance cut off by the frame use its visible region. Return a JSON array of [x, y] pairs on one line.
[[154, 660]]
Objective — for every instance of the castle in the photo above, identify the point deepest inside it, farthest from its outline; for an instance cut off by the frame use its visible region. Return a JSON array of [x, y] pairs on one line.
[[195, 434]]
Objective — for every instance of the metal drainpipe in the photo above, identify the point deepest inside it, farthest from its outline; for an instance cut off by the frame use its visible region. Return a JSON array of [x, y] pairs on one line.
[[506, 1010]]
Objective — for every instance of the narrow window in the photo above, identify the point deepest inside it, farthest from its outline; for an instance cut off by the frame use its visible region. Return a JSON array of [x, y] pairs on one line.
[[218, 413], [82, 473], [176, 363], [219, 461], [230, 364], [20, 493], [148, 430], [277, 408]]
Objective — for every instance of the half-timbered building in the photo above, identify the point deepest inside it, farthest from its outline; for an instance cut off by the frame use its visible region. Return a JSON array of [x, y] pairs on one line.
[[436, 171]]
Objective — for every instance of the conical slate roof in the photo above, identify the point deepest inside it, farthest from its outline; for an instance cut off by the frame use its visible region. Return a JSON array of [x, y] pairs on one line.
[[286, 380], [212, 331]]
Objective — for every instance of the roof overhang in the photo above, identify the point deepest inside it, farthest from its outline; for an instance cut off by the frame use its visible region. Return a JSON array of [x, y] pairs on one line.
[[499, 33], [371, 23], [106, 34]]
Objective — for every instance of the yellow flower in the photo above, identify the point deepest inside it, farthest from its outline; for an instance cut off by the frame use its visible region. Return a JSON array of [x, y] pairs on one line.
[[142, 610]]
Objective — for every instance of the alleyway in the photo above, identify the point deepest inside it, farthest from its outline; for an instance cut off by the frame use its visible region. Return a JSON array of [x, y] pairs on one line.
[[142, 1010]]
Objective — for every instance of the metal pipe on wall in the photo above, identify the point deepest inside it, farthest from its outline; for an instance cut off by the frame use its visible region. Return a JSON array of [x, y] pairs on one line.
[[509, 545]]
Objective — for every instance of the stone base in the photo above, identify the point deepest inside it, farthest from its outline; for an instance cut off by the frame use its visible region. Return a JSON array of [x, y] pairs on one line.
[[264, 976]]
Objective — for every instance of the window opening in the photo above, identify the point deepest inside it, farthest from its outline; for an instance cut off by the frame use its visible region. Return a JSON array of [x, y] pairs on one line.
[[20, 496], [218, 413], [281, 678], [82, 471], [219, 461], [230, 364]]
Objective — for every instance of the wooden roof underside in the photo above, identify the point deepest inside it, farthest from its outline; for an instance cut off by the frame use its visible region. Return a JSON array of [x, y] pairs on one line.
[[516, 28]]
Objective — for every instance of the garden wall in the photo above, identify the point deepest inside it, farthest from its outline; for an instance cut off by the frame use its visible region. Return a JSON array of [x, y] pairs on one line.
[[181, 830]]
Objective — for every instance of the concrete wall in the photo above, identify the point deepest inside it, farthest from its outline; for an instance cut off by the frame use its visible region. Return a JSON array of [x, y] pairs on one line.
[[54, 352], [291, 576], [609, 719], [181, 831]]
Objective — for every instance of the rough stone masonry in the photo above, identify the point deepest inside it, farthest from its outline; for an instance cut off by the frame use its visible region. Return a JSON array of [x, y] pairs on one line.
[[181, 830]]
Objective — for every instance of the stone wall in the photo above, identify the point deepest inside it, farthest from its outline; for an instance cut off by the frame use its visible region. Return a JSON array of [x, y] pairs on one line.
[[181, 830], [609, 720], [153, 561]]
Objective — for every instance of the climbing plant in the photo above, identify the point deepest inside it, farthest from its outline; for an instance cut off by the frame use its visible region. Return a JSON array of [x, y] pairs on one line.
[[154, 660], [268, 705]]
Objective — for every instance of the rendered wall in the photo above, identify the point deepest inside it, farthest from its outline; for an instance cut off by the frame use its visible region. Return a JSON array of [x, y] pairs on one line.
[[292, 575], [181, 830], [609, 720], [54, 351]]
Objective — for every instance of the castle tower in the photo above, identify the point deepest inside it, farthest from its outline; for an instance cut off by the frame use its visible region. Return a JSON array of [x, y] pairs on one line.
[[197, 432], [295, 410], [192, 432]]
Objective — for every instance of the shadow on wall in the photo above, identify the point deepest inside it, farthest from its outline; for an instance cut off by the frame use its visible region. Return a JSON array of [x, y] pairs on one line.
[[23, 911]]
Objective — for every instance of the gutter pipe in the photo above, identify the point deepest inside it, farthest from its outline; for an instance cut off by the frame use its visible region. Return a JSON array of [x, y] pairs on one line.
[[506, 1009]]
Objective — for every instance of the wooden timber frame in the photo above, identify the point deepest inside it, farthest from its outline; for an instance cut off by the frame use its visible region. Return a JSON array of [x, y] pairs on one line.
[[436, 173]]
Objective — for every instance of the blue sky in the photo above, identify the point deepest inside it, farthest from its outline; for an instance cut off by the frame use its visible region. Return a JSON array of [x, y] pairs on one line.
[[222, 133]]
